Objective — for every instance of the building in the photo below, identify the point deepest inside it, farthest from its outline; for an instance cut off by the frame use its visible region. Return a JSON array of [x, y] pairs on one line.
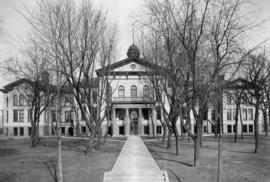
[[135, 108]]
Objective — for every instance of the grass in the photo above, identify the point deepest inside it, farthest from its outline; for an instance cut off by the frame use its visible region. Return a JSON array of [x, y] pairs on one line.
[[19, 162], [239, 162]]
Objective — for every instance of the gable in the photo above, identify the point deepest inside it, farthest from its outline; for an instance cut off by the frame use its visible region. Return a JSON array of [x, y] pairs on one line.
[[129, 65]]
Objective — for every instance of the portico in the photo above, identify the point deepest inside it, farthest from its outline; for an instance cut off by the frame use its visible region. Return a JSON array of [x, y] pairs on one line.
[[132, 119]]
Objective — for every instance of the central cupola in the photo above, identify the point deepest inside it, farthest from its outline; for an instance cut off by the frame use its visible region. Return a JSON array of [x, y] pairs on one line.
[[133, 51]]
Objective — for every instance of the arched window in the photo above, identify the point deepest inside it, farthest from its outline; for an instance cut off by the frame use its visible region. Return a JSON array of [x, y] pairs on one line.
[[133, 91], [21, 100], [15, 100], [146, 91], [121, 91]]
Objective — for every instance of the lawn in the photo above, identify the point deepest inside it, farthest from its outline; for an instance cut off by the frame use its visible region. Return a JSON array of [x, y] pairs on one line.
[[19, 162], [239, 163]]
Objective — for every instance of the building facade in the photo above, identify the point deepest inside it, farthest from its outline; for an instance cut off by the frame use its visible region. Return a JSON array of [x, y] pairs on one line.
[[135, 108]]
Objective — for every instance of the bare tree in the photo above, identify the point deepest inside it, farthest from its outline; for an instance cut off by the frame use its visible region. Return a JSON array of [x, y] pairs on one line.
[[35, 89], [81, 40], [203, 35], [256, 76]]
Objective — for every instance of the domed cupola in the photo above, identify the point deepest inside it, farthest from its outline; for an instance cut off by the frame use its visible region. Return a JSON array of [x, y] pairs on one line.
[[133, 51]]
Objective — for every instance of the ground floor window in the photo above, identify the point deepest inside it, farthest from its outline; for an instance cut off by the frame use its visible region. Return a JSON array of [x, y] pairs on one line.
[[244, 129], [159, 129], [21, 131], [15, 131], [146, 129], [250, 128], [229, 128], [213, 128], [205, 129], [122, 130], [63, 130], [29, 131], [83, 129]]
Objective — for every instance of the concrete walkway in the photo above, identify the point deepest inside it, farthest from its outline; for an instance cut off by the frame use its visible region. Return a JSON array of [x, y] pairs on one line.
[[135, 164]]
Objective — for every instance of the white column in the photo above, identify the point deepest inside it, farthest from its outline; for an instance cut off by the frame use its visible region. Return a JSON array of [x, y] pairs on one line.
[[127, 123], [115, 132]]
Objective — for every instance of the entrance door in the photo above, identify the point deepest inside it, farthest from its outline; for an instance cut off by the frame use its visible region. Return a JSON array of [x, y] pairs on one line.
[[134, 122]]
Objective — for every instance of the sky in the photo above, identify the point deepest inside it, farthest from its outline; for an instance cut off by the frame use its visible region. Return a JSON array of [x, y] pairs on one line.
[[120, 12]]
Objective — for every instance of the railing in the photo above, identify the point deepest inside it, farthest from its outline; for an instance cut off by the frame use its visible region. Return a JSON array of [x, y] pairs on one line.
[[132, 99]]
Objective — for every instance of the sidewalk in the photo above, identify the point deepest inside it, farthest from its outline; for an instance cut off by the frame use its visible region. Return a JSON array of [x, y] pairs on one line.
[[135, 163]]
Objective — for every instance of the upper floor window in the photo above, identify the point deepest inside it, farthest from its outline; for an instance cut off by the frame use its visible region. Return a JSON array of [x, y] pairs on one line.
[[7, 101], [159, 93], [94, 96], [21, 100], [15, 100], [146, 91], [133, 91], [67, 100], [121, 91], [229, 99]]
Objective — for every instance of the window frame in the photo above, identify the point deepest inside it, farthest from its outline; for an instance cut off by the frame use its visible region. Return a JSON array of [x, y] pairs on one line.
[[133, 91], [121, 91], [15, 100]]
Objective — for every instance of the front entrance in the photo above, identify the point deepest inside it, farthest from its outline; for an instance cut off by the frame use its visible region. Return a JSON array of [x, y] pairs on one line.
[[134, 122]]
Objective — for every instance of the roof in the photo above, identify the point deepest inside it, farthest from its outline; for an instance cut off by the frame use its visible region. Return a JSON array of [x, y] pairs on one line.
[[118, 64]]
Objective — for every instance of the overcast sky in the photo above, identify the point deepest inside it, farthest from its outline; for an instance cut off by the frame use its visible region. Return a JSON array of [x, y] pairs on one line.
[[120, 12]]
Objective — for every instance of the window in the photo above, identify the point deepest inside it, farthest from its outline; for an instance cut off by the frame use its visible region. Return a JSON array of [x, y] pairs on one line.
[[120, 114], [94, 113], [15, 131], [205, 129], [15, 100], [133, 92], [213, 115], [244, 114], [83, 116], [146, 129], [53, 116], [21, 131], [67, 100], [121, 130], [229, 114], [21, 100], [244, 128], [205, 114], [250, 128], [7, 101], [146, 91], [83, 129], [184, 112], [234, 113], [63, 132], [229, 99], [250, 114], [145, 113], [121, 91], [229, 128], [159, 129], [21, 116], [7, 116], [29, 131], [159, 113], [94, 96], [15, 116], [29, 115], [159, 94], [67, 116]]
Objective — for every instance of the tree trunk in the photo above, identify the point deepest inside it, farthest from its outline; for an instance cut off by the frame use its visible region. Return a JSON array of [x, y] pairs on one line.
[[89, 149], [241, 120], [197, 142], [182, 130], [236, 123], [164, 133], [265, 122], [99, 139], [176, 141], [33, 135], [169, 139], [256, 129], [219, 158]]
